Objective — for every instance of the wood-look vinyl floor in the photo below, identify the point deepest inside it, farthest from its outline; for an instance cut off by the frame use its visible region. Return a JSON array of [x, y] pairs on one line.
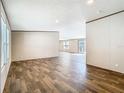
[[65, 74]]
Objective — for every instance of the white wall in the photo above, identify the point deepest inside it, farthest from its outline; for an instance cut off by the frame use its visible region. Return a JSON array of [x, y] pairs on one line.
[[5, 69], [75, 29], [105, 43], [33, 45]]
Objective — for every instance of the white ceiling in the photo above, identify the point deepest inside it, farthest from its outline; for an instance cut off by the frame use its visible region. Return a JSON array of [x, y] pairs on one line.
[[43, 14]]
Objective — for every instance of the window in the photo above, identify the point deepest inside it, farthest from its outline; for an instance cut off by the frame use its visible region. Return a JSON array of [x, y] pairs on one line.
[[81, 46], [66, 44], [8, 36], [4, 43]]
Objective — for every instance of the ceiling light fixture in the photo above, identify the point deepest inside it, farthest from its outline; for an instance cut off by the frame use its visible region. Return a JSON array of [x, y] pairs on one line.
[[89, 2]]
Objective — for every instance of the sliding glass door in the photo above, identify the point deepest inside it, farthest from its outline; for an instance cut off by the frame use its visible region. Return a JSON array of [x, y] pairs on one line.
[[4, 43]]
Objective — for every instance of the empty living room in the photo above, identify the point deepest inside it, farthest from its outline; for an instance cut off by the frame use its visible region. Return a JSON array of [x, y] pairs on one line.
[[62, 46]]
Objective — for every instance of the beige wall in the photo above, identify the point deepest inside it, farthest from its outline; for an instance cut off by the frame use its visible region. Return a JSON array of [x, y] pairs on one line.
[[105, 43], [5, 69], [73, 46], [61, 48], [33, 45]]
